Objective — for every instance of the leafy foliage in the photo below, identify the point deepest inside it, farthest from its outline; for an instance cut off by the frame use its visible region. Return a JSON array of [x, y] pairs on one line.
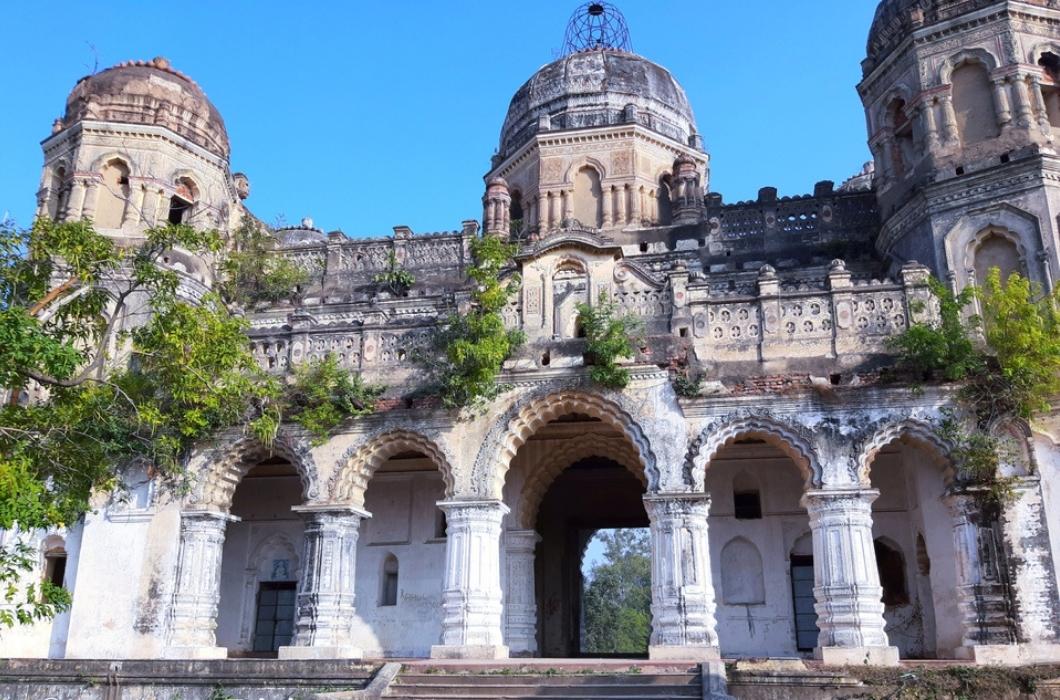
[[323, 395], [474, 345], [1009, 362], [254, 274], [686, 383], [395, 278], [609, 337], [617, 599]]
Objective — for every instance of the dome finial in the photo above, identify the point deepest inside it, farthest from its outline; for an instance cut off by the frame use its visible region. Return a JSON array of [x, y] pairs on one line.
[[595, 26]]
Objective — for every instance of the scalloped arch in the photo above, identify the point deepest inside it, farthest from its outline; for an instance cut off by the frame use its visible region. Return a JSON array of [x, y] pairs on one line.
[[537, 412], [909, 430], [362, 460], [790, 439], [619, 450], [238, 457]]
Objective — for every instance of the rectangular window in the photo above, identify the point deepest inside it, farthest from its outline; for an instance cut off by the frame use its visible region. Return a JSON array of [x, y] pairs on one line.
[[274, 626], [747, 505]]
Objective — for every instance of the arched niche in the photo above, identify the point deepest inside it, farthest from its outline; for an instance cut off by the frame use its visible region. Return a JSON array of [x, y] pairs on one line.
[[973, 100], [742, 578], [113, 195], [588, 197]]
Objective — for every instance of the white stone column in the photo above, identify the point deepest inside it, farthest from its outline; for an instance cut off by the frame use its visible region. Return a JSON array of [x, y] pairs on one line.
[[520, 629], [193, 615], [608, 200], [88, 209], [75, 201], [949, 120], [1002, 103], [988, 629], [635, 204], [324, 622], [622, 194], [847, 584], [682, 590], [472, 598]]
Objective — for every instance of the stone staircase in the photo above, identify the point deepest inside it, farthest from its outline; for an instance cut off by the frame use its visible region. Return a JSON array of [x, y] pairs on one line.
[[654, 685]]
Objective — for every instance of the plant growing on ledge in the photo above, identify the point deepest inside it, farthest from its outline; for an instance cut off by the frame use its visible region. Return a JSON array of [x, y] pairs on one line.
[[474, 345], [686, 383], [396, 279], [253, 273], [323, 395], [609, 337], [1008, 360]]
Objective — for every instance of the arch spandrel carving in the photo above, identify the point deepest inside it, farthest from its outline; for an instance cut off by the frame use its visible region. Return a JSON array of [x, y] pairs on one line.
[[794, 439], [222, 468], [359, 462], [641, 415], [911, 430]]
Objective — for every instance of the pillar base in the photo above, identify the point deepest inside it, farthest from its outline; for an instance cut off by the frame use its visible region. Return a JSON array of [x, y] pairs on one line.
[[442, 651], [857, 656], [306, 653], [683, 653], [1009, 654], [196, 653]]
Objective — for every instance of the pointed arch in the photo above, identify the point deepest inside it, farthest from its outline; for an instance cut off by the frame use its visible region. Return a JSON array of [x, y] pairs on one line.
[[618, 450], [793, 440], [363, 459], [908, 430], [524, 419], [225, 466]]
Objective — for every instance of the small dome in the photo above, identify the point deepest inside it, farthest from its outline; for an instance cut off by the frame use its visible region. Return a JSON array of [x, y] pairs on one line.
[[149, 92], [895, 20], [597, 88]]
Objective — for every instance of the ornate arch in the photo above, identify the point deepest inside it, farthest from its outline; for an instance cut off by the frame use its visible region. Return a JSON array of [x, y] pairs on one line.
[[1015, 225], [973, 55], [362, 460], [226, 465], [793, 440], [524, 419], [909, 430], [1040, 49], [109, 156], [618, 450], [585, 162]]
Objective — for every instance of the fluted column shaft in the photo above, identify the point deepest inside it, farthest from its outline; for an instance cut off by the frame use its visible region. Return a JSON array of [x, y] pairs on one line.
[[520, 627], [471, 598], [847, 583], [682, 590], [193, 616], [324, 622]]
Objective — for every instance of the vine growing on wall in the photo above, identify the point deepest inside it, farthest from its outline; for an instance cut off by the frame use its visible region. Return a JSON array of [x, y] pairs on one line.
[[472, 346], [323, 395], [395, 278], [1008, 359], [609, 338]]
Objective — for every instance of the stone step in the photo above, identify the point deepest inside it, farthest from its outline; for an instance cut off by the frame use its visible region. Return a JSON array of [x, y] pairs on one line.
[[514, 687]]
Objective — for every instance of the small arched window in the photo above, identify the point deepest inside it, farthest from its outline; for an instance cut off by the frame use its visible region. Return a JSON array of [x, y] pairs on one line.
[[55, 561], [973, 103], [664, 200], [57, 193], [1050, 64], [113, 194], [891, 565], [997, 250], [389, 592], [182, 201], [903, 149], [746, 497], [588, 198]]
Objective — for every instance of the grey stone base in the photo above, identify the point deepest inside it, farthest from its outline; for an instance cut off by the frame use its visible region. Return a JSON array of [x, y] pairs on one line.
[[1009, 654], [857, 656], [683, 653], [199, 653], [441, 651], [351, 653]]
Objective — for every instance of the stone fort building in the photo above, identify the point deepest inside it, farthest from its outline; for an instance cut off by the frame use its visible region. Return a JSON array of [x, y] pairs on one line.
[[796, 504]]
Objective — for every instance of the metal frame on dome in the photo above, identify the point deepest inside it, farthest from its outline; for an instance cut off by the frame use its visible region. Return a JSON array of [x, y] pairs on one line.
[[595, 26]]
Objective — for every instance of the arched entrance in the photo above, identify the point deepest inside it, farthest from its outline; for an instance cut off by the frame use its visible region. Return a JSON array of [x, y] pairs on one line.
[[762, 548], [574, 475]]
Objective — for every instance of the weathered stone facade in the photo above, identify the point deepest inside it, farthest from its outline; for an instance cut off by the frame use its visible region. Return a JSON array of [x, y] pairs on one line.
[[796, 505]]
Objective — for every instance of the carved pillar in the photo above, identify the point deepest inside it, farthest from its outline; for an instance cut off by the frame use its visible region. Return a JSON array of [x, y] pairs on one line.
[[930, 122], [1002, 104], [325, 593], [157, 211], [520, 629], [636, 205], [1024, 112], [75, 201], [193, 615], [982, 588], [949, 120], [608, 198], [1038, 101], [847, 583], [88, 210], [551, 208], [471, 599], [620, 205], [134, 213], [682, 590]]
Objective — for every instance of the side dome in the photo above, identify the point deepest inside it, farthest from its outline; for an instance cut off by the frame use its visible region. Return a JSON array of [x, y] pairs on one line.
[[598, 87], [896, 20], [149, 92]]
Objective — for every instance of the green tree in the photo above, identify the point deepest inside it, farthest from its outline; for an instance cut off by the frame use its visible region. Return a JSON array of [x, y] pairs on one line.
[[253, 274], [609, 337], [323, 395], [616, 604], [474, 345]]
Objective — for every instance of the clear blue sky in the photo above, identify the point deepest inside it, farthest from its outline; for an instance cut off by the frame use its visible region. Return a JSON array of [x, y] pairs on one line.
[[367, 116]]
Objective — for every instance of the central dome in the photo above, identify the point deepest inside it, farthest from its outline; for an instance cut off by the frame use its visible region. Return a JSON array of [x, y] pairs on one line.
[[598, 87]]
